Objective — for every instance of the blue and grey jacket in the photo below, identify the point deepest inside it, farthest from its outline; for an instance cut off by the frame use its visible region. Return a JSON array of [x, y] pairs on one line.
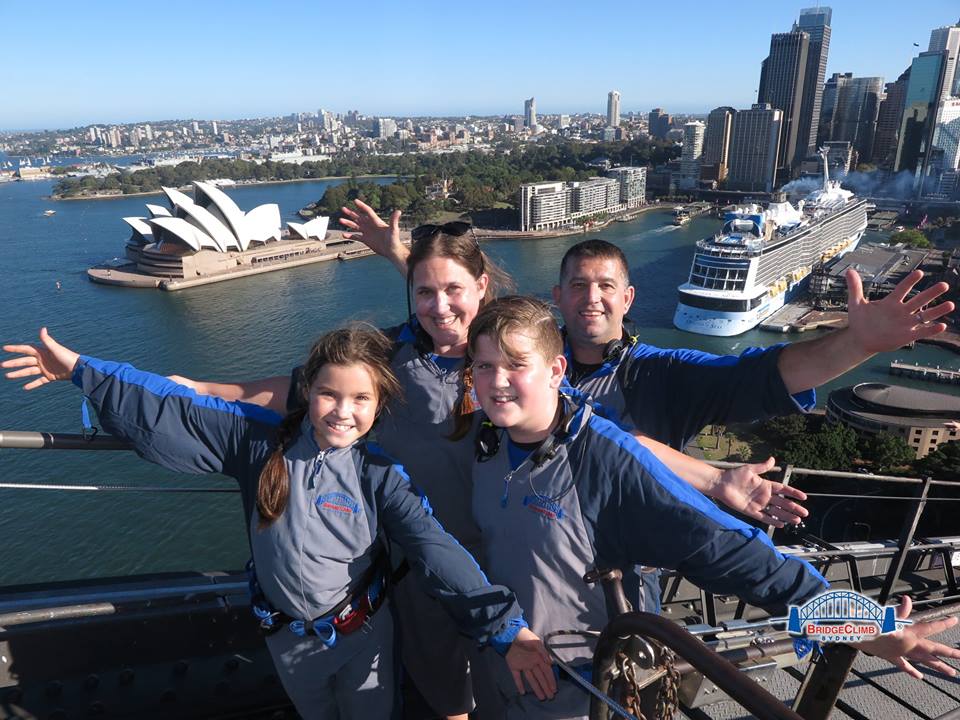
[[670, 395], [603, 500], [343, 503], [415, 428]]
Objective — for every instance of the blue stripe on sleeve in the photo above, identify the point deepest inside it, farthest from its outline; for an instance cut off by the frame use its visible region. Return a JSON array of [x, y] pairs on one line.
[[685, 493], [163, 387], [375, 449]]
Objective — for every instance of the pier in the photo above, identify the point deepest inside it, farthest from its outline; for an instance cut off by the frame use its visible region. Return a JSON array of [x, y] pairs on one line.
[[923, 372]]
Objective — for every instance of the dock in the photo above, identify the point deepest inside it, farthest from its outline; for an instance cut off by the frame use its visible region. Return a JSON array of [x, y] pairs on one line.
[[795, 318], [937, 374]]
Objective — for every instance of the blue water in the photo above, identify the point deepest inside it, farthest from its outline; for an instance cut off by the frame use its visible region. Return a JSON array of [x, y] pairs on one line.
[[243, 329]]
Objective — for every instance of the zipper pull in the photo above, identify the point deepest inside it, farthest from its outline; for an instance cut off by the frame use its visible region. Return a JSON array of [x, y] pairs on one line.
[[506, 489]]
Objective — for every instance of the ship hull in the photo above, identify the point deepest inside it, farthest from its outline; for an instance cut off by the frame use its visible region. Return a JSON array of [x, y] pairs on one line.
[[720, 323]]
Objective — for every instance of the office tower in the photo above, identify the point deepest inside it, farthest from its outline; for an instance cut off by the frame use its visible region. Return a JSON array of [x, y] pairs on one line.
[[920, 112], [888, 122], [384, 127], [658, 123], [213, 127], [946, 135], [196, 127], [716, 144], [828, 106], [691, 152], [613, 109], [849, 112], [948, 39], [530, 112], [754, 145], [816, 23], [782, 86]]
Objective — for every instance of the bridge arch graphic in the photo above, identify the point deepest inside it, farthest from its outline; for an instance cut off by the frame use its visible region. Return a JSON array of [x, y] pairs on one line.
[[841, 606]]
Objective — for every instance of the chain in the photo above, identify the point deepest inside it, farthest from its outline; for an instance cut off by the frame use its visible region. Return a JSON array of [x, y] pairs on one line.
[[668, 699], [628, 674]]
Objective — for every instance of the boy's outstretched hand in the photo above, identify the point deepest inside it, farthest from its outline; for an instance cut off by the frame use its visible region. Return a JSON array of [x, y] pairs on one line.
[[48, 359], [911, 644], [527, 659]]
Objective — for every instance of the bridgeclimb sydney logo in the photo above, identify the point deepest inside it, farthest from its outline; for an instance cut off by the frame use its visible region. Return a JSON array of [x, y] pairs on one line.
[[842, 616]]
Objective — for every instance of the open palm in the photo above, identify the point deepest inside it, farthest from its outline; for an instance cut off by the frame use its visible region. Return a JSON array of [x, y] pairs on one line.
[[44, 362]]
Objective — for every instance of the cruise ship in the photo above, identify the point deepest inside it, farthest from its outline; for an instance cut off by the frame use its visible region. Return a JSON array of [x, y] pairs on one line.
[[762, 258]]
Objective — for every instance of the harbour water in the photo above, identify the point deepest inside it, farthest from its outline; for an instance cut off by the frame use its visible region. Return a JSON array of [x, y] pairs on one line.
[[253, 327]]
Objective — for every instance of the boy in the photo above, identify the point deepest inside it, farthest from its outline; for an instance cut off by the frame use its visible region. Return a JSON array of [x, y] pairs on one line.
[[559, 491]]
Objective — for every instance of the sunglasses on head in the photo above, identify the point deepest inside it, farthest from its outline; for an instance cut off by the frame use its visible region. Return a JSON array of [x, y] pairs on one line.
[[454, 229]]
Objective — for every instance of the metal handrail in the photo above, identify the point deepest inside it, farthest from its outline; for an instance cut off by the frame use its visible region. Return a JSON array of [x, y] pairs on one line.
[[757, 701]]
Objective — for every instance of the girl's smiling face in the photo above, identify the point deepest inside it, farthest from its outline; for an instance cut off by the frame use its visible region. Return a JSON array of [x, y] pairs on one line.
[[343, 404]]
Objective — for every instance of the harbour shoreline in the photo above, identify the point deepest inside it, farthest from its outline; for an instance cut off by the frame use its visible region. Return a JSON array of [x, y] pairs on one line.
[[238, 183]]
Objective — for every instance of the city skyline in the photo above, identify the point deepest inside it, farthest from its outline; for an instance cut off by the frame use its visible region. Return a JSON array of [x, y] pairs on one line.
[[103, 67]]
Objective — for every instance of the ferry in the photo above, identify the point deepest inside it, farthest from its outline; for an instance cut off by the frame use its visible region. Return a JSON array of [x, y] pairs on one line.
[[763, 257], [680, 216]]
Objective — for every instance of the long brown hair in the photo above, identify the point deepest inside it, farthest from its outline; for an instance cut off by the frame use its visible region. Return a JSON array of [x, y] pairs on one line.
[[352, 345], [465, 251]]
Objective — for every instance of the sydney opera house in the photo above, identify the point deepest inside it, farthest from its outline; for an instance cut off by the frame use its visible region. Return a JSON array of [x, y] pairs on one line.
[[208, 238]]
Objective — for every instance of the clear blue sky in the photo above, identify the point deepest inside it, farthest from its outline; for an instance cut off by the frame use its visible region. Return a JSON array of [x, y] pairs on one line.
[[66, 63]]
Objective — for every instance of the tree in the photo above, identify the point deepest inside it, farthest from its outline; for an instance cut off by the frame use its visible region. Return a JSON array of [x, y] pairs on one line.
[[833, 447], [942, 464], [912, 238], [886, 450], [780, 430]]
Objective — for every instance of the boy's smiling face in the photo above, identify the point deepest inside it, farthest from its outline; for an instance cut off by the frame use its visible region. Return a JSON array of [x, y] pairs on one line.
[[518, 391]]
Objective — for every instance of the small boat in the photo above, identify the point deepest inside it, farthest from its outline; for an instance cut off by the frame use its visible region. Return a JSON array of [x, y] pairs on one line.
[[48, 213]]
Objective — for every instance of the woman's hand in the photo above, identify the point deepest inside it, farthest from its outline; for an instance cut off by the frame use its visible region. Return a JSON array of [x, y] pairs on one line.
[[49, 359], [528, 660], [369, 228]]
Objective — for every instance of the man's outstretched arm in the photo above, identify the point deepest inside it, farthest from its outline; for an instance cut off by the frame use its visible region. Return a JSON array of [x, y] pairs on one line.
[[872, 327]]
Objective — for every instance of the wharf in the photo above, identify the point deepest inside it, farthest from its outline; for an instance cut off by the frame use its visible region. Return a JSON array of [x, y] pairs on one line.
[[800, 318], [922, 372]]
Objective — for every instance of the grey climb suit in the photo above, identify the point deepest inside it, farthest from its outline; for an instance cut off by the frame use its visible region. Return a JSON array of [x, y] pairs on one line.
[[603, 500], [414, 430], [344, 504]]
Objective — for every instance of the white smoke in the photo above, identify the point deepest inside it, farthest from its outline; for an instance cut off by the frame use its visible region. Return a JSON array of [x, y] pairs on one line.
[[880, 184], [802, 186], [865, 184]]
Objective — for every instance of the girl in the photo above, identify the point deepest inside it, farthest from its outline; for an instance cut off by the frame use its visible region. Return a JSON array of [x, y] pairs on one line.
[[449, 279], [321, 505]]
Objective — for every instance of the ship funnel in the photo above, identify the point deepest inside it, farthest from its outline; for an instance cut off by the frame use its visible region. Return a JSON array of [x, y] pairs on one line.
[[824, 152]]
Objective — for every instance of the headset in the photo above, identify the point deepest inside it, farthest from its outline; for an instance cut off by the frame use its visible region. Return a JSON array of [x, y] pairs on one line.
[[487, 442]]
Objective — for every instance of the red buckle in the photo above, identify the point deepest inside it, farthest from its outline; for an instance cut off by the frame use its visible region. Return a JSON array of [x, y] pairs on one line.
[[352, 617]]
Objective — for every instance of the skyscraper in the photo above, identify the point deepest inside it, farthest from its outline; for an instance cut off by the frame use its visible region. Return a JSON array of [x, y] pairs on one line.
[[658, 123], [530, 112], [716, 144], [888, 122], [849, 112], [754, 143], [816, 23], [782, 87], [691, 153], [920, 112], [948, 39], [613, 108]]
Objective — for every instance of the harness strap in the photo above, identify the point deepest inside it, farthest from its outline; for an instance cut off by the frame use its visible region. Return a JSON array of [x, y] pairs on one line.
[[347, 616]]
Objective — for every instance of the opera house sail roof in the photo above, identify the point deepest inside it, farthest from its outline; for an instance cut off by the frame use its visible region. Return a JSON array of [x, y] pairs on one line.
[[210, 220]]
